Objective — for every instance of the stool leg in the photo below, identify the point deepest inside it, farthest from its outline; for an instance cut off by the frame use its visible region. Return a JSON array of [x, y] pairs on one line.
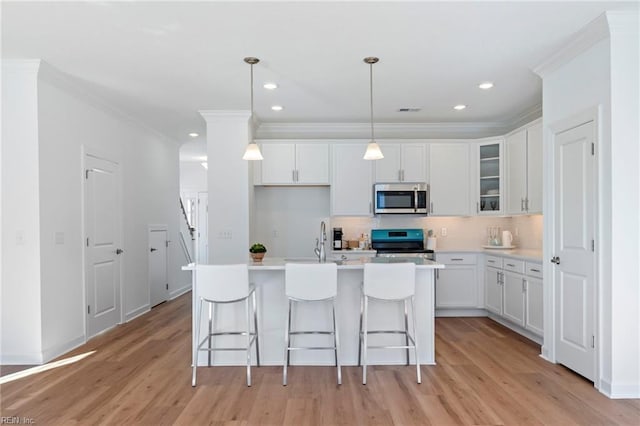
[[196, 344], [211, 305], [406, 329], [255, 327], [286, 346], [415, 339], [364, 339], [360, 331], [246, 304], [336, 341]]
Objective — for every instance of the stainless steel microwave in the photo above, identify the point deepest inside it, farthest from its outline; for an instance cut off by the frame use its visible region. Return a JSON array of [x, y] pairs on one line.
[[401, 198]]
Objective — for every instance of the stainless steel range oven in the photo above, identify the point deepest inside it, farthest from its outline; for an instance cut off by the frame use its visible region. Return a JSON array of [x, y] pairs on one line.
[[400, 243]]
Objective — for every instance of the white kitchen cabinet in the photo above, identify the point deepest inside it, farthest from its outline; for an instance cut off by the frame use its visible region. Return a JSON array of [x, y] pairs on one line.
[[457, 283], [524, 171], [401, 163], [513, 291], [490, 184], [449, 179], [534, 312], [351, 181], [294, 164], [513, 297], [493, 290]]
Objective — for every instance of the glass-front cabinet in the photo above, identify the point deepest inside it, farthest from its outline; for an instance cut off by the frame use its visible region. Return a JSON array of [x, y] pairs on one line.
[[490, 187]]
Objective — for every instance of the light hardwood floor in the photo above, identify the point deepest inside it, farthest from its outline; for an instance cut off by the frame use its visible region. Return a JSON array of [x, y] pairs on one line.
[[140, 374]]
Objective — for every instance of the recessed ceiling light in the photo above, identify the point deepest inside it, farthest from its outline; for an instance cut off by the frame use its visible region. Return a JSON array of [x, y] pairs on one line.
[[486, 85], [277, 108], [194, 135], [270, 86], [459, 107]]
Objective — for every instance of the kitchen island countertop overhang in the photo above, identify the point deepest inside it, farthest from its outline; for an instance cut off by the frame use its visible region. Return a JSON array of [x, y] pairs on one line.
[[268, 276]]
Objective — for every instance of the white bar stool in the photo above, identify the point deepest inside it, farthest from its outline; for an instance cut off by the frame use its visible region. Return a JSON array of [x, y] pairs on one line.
[[311, 283], [218, 284], [388, 282]]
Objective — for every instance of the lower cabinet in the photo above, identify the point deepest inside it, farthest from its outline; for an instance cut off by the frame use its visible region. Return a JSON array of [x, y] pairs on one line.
[[513, 291], [457, 283]]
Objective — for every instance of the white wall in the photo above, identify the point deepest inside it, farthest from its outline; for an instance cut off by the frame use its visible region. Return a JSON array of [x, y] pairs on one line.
[[606, 75], [20, 330], [288, 219], [68, 120], [193, 177]]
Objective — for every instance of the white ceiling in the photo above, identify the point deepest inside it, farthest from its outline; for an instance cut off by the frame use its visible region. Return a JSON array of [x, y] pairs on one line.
[[164, 61]]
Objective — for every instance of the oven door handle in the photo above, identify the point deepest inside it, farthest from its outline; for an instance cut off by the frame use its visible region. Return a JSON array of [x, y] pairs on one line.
[[415, 200]]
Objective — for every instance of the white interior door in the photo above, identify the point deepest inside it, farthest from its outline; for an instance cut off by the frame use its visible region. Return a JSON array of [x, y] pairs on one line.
[[573, 236], [202, 231], [158, 282], [103, 224]]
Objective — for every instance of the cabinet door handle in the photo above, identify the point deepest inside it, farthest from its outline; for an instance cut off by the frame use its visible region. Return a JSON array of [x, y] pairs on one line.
[[491, 261], [521, 204], [431, 206], [524, 285], [437, 274], [403, 175], [526, 204], [293, 175], [399, 175], [477, 207], [535, 270], [457, 259], [511, 264]]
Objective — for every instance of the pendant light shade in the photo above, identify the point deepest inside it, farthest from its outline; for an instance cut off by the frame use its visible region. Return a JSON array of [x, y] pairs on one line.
[[373, 149], [252, 153]]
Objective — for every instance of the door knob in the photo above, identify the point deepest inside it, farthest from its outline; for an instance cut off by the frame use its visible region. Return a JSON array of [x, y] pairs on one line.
[[119, 251], [153, 249], [556, 260]]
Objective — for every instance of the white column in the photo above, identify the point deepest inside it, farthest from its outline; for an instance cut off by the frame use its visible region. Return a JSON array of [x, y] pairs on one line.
[[228, 133], [20, 324]]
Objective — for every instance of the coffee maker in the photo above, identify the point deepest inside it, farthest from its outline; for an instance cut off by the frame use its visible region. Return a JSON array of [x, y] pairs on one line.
[[337, 238]]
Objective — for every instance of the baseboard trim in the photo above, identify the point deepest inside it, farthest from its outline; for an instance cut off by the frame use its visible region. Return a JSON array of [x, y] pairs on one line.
[[460, 312], [621, 391], [33, 358], [179, 292], [137, 312], [56, 351]]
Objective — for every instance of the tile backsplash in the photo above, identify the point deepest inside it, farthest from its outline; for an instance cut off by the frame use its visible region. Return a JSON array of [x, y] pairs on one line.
[[461, 232]]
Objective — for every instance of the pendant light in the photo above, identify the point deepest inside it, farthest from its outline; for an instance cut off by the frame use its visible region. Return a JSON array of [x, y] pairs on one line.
[[373, 149], [252, 152]]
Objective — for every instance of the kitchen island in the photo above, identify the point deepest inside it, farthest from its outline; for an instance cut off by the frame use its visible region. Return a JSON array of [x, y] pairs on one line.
[[268, 276]]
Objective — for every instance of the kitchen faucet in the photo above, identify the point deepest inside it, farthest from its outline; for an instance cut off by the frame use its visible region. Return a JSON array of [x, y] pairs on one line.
[[320, 250]]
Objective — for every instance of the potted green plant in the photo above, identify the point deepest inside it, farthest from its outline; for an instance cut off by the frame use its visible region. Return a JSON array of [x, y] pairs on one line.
[[257, 251]]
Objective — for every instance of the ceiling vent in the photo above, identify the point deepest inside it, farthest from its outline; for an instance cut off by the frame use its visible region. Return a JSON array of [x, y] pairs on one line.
[[409, 109]]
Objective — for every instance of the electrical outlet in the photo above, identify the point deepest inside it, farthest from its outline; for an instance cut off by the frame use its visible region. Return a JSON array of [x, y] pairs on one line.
[[443, 232], [224, 235]]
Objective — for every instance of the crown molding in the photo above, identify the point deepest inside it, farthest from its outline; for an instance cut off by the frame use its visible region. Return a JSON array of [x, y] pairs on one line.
[[588, 36], [21, 65], [382, 130], [81, 90], [216, 116]]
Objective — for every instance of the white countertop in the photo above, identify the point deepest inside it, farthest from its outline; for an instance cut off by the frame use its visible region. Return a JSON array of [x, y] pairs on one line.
[[277, 263], [531, 255]]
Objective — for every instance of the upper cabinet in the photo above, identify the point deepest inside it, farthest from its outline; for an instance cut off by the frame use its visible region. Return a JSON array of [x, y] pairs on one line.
[[401, 163], [490, 180], [293, 164], [524, 171], [351, 181], [449, 179]]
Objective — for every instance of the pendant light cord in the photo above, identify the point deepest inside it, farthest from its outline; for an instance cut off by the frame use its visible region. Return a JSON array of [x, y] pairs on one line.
[[252, 118], [371, 97]]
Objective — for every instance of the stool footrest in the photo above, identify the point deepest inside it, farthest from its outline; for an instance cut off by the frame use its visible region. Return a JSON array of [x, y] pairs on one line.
[[297, 348], [391, 347], [312, 332], [236, 348]]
